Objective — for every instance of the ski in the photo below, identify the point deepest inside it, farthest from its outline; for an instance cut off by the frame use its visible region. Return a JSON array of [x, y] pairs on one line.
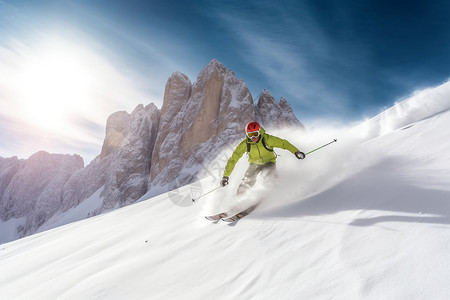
[[240, 215], [216, 217]]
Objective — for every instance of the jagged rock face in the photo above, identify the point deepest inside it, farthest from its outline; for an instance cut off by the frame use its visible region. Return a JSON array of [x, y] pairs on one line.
[[178, 91], [35, 190], [208, 119], [275, 115], [87, 181], [215, 113], [116, 127], [220, 102], [127, 179], [123, 169], [146, 149], [46, 184], [288, 115], [84, 182], [8, 168]]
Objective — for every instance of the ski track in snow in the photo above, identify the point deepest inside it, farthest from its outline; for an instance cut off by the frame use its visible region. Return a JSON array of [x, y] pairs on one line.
[[365, 218]]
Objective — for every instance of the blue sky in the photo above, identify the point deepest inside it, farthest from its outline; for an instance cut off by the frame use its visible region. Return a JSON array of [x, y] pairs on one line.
[[336, 61]]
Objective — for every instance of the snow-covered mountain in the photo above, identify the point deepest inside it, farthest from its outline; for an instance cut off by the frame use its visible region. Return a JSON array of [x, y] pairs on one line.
[[150, 150], [32, 189], [365, 218]]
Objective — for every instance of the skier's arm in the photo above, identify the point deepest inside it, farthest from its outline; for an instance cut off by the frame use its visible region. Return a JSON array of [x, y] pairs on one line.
[[274, 141], [232, 161]]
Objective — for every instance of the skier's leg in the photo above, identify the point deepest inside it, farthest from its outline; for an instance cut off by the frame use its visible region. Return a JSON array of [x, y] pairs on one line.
[[269, 174], [249, 178], [269, 171]]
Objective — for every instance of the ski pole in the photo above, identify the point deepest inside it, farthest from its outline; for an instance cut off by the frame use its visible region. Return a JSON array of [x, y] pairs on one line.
[[335, 140], [195, 199]]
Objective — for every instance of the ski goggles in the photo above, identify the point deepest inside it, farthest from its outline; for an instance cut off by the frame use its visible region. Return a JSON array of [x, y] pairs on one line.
[[253, 134]]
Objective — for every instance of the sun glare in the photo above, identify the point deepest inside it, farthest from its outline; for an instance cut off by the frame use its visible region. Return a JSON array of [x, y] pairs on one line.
[[60, 91], [54, 83]]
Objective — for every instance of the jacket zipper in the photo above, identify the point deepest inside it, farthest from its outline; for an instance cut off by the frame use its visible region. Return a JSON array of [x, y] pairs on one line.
[[260, 157]]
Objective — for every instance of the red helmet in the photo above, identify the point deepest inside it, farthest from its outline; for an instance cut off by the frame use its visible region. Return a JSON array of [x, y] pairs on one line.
[[252, 126], [253, 131]]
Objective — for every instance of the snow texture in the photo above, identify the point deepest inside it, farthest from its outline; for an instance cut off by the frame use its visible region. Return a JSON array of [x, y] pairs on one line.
[[364, 218]]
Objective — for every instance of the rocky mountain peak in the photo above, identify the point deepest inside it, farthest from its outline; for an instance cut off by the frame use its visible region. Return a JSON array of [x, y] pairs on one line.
[[147, 150], [116, 127], [214, 71], [35, 187], [265, 92], [218, 102], [266, 100], [214, 64], [287, 110], [178, 90], [272, 114]]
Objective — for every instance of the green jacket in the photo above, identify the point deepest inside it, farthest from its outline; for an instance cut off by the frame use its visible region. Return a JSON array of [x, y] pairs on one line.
[[258, 153]]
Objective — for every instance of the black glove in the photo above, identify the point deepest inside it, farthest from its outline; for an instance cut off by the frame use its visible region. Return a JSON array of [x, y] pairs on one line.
[[300, 155], [224, 181]]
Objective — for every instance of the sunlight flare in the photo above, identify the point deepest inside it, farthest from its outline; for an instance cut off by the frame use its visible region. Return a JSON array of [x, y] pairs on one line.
[[54, 83], [55, 90]]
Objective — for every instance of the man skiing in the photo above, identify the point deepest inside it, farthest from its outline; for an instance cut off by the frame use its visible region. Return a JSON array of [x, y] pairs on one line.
[[259, 146]]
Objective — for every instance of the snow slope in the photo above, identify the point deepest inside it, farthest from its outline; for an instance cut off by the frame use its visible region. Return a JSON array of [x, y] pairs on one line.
[[365, 218]]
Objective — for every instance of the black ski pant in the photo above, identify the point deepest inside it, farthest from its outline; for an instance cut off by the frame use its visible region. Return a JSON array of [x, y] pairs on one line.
[[267, 170]]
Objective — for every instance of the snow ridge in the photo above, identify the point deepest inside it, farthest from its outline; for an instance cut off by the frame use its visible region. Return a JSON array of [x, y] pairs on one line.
[[423, 104]]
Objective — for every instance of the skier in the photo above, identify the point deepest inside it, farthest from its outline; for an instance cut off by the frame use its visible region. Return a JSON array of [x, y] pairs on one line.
[[261, 157]]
